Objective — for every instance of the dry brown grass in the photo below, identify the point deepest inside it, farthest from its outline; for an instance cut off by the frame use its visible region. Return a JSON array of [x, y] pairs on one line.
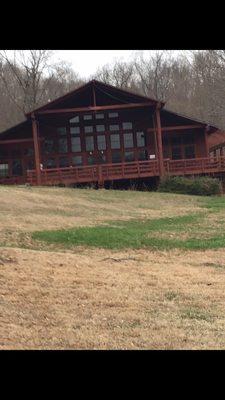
[[101, 299]]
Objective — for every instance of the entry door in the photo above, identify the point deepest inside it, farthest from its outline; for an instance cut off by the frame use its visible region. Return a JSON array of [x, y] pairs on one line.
[[98, 154]]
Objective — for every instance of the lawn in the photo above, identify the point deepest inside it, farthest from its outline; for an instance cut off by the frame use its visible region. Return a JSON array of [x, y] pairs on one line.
[[199, 231], [86, 269]]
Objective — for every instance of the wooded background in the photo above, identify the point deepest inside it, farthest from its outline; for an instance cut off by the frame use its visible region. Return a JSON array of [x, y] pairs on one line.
[[192, 83]]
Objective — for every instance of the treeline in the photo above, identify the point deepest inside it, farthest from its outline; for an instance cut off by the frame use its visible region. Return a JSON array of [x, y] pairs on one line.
[[192, 83]]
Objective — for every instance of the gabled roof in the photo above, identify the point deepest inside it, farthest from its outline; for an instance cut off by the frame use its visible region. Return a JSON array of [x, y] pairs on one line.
[[120, 95]]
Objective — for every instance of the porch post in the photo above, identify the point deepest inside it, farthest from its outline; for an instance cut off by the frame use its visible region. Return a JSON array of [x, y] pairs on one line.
[[206, 140], [36, 148], [159, 140]]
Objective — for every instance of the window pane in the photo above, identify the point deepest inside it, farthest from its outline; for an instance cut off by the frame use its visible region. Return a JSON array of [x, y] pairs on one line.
[[3, 153], [88, 129], [127, 125], [74, 120], [75, 144], [114, 127], [188, 138], [140, 139], [17, 168], [116, 157], [102, 158], [128, 140], [74, 130], [61, 131], [4, 170], [176, 153], [29, 152], [189, 152], [64, 162], [63, 146], [115, 141], [15, 153], [142, 155], [129, 156], [91, 160], [51, 163], [77, 160], [87, 117], [176, 140], [89, 143], [99, 116], [100, 128], [113, 115], [101, 142], [49, 146], [30, 164], [166, 152]]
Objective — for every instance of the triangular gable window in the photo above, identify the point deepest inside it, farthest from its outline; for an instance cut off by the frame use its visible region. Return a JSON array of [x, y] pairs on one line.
[[74, 120]]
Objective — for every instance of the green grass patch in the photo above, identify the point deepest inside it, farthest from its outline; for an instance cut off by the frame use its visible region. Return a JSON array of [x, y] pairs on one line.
[[136, 234], [200, 231]]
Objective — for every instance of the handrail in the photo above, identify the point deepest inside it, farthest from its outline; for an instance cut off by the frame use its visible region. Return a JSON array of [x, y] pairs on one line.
[[134, 169]]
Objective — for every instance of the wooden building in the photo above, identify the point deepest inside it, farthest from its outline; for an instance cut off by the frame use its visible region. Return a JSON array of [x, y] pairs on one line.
[[99, 133]]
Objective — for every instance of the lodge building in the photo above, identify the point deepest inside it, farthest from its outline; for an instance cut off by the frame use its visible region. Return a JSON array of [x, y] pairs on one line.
[[99, 133]]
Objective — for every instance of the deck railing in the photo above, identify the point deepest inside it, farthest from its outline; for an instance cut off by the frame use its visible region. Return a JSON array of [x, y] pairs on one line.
[[128, 170]]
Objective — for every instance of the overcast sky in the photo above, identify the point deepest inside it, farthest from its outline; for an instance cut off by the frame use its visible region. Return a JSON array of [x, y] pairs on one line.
[[86, 62]]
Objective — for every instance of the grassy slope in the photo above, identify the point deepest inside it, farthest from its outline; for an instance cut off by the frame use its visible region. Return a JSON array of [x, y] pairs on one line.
[[83, 297], [199, 231]]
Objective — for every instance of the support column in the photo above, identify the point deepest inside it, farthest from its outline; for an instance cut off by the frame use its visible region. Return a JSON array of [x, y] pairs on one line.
[[159, 140], [36, 148], [206, 141]]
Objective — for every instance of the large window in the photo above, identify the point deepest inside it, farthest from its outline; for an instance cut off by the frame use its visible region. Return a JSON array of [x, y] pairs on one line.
[[17, 168], [74, 130], [176, 153], [75, 120], [116, 157], [189, 151], [75, 144], [129, 156], [63, 148], [29, 152], [49, 146], [61, 131], [77, 160], [4, 169], [100, 128], [115, 141], [113, 128], [113, 115], [64, 162], [142, 155], [140, 139], [127, 125], [87, 117], [128, 140], [101, 142], [89, 143], [99, 116], [88, 129], [51, 163]]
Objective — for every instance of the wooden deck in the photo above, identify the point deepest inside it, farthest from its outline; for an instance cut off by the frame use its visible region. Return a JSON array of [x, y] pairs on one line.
[[129, 170]]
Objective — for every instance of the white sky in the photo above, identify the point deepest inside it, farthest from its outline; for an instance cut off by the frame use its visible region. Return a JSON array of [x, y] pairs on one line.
[[86, 62]]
